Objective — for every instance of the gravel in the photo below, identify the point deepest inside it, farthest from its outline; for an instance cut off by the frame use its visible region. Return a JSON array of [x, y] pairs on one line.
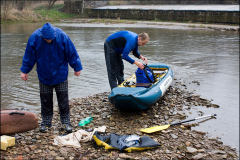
[[178, 142]]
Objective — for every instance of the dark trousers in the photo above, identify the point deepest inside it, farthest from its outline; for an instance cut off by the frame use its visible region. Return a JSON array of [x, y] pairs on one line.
[[46, 96], [115, 66]]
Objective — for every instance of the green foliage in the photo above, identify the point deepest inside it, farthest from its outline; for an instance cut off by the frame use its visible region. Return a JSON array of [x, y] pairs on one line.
[[39, 14], [192, 25], [53, 14], [57, 6]]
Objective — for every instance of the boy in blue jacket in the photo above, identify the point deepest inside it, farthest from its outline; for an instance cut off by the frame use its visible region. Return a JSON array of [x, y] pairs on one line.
[[52, 50], [117, 47]]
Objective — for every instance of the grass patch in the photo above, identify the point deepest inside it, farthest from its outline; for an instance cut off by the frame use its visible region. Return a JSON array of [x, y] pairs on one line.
[[53, 14], [192, 25], [202, 26], [39, 13]]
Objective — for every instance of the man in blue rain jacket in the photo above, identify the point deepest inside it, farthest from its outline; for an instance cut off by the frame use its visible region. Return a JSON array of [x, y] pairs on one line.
[[52, 50], [117, 47]]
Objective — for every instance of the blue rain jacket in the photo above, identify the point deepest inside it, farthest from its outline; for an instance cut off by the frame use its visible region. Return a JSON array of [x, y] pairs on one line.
[[123, 42], [52, 58]]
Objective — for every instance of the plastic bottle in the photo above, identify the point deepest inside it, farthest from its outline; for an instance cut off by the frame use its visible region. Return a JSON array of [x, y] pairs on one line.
[[85, 121]]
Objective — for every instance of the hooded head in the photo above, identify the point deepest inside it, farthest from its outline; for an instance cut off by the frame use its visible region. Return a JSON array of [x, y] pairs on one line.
[[48, 31]]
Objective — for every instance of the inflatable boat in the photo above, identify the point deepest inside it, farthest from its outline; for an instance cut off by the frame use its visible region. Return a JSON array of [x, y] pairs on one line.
[[17, 121], [132, 96]]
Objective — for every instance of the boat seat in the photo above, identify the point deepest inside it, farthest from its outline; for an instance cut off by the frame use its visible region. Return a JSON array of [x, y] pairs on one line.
[[159, 72], [147, 85]]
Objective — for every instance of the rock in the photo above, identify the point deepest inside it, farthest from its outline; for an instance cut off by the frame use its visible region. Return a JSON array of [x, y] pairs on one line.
[[167, 151], [174, 136], [218, 152], [32, 147], [198, 156], [200, 132], [187, 143], [105, 114], [27, 149], [166, 131], [149, 154], [201, 150], [191, 150], [177, 143], [53, 153], [215, 106], [224, 156], [187, 131], [123, 155], [64, 151], [198, 146], [34, 156]]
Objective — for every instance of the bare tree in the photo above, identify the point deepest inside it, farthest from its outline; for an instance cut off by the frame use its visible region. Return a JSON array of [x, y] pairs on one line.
[[69, 6], [51, 3], [20, 4], [6, 7]]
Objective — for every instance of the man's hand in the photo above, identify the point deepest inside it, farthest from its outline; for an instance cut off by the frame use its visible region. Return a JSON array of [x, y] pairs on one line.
[[139, 64], [24, 76], [144, 59], [77, 73]]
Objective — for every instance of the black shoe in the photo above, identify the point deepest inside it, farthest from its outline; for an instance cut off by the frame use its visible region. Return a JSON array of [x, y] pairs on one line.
[[44, 128], [67, 128]]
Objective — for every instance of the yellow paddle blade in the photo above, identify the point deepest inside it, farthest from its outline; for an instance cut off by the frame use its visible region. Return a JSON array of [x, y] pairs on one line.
[[154, 129]]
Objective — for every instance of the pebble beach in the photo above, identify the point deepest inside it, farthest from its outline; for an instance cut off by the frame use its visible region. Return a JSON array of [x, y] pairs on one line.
[[178, 142]]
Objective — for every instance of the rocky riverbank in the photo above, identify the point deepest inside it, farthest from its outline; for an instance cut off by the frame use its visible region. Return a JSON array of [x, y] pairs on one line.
[[178, 142]]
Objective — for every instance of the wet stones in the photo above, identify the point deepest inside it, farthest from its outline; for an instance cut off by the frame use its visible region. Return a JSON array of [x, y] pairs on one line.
[[178, 142]]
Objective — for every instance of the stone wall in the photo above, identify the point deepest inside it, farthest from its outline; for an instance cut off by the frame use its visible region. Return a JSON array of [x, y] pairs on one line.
[[70, 7], [94, 4], [156, 2], [226, 17]]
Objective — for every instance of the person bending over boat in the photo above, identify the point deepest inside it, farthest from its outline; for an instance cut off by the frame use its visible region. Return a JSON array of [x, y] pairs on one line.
[[52, 50], [117, 47]]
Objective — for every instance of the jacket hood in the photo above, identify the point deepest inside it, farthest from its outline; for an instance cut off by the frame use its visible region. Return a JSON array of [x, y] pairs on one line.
[[48, 31]]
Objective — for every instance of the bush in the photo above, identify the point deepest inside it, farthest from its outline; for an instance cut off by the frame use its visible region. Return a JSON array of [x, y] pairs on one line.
[[31, 11]]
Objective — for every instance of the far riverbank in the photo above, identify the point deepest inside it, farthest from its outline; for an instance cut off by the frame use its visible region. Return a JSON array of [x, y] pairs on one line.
[[88, 22]]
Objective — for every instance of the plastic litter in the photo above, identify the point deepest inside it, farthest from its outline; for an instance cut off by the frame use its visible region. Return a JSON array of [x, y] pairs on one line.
[[74, 139], [85, 121]]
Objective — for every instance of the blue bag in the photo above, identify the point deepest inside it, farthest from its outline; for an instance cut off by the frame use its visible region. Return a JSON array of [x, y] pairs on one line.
[[144, 76]]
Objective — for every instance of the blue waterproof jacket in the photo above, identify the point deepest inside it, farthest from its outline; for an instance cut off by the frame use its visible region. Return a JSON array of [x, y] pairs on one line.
[[52, 58], [123, 42]]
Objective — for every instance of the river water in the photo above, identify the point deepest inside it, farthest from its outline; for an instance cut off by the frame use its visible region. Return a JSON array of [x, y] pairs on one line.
[[209, 57]]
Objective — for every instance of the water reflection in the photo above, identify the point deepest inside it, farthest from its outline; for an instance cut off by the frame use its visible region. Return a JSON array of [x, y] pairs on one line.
[[211, 57]]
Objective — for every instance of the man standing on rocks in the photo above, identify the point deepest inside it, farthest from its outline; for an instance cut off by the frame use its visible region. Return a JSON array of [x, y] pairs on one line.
[[117, 47], [52, 50]]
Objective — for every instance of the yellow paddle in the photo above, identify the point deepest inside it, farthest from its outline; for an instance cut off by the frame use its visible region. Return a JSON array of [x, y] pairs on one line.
[[159, 128]]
